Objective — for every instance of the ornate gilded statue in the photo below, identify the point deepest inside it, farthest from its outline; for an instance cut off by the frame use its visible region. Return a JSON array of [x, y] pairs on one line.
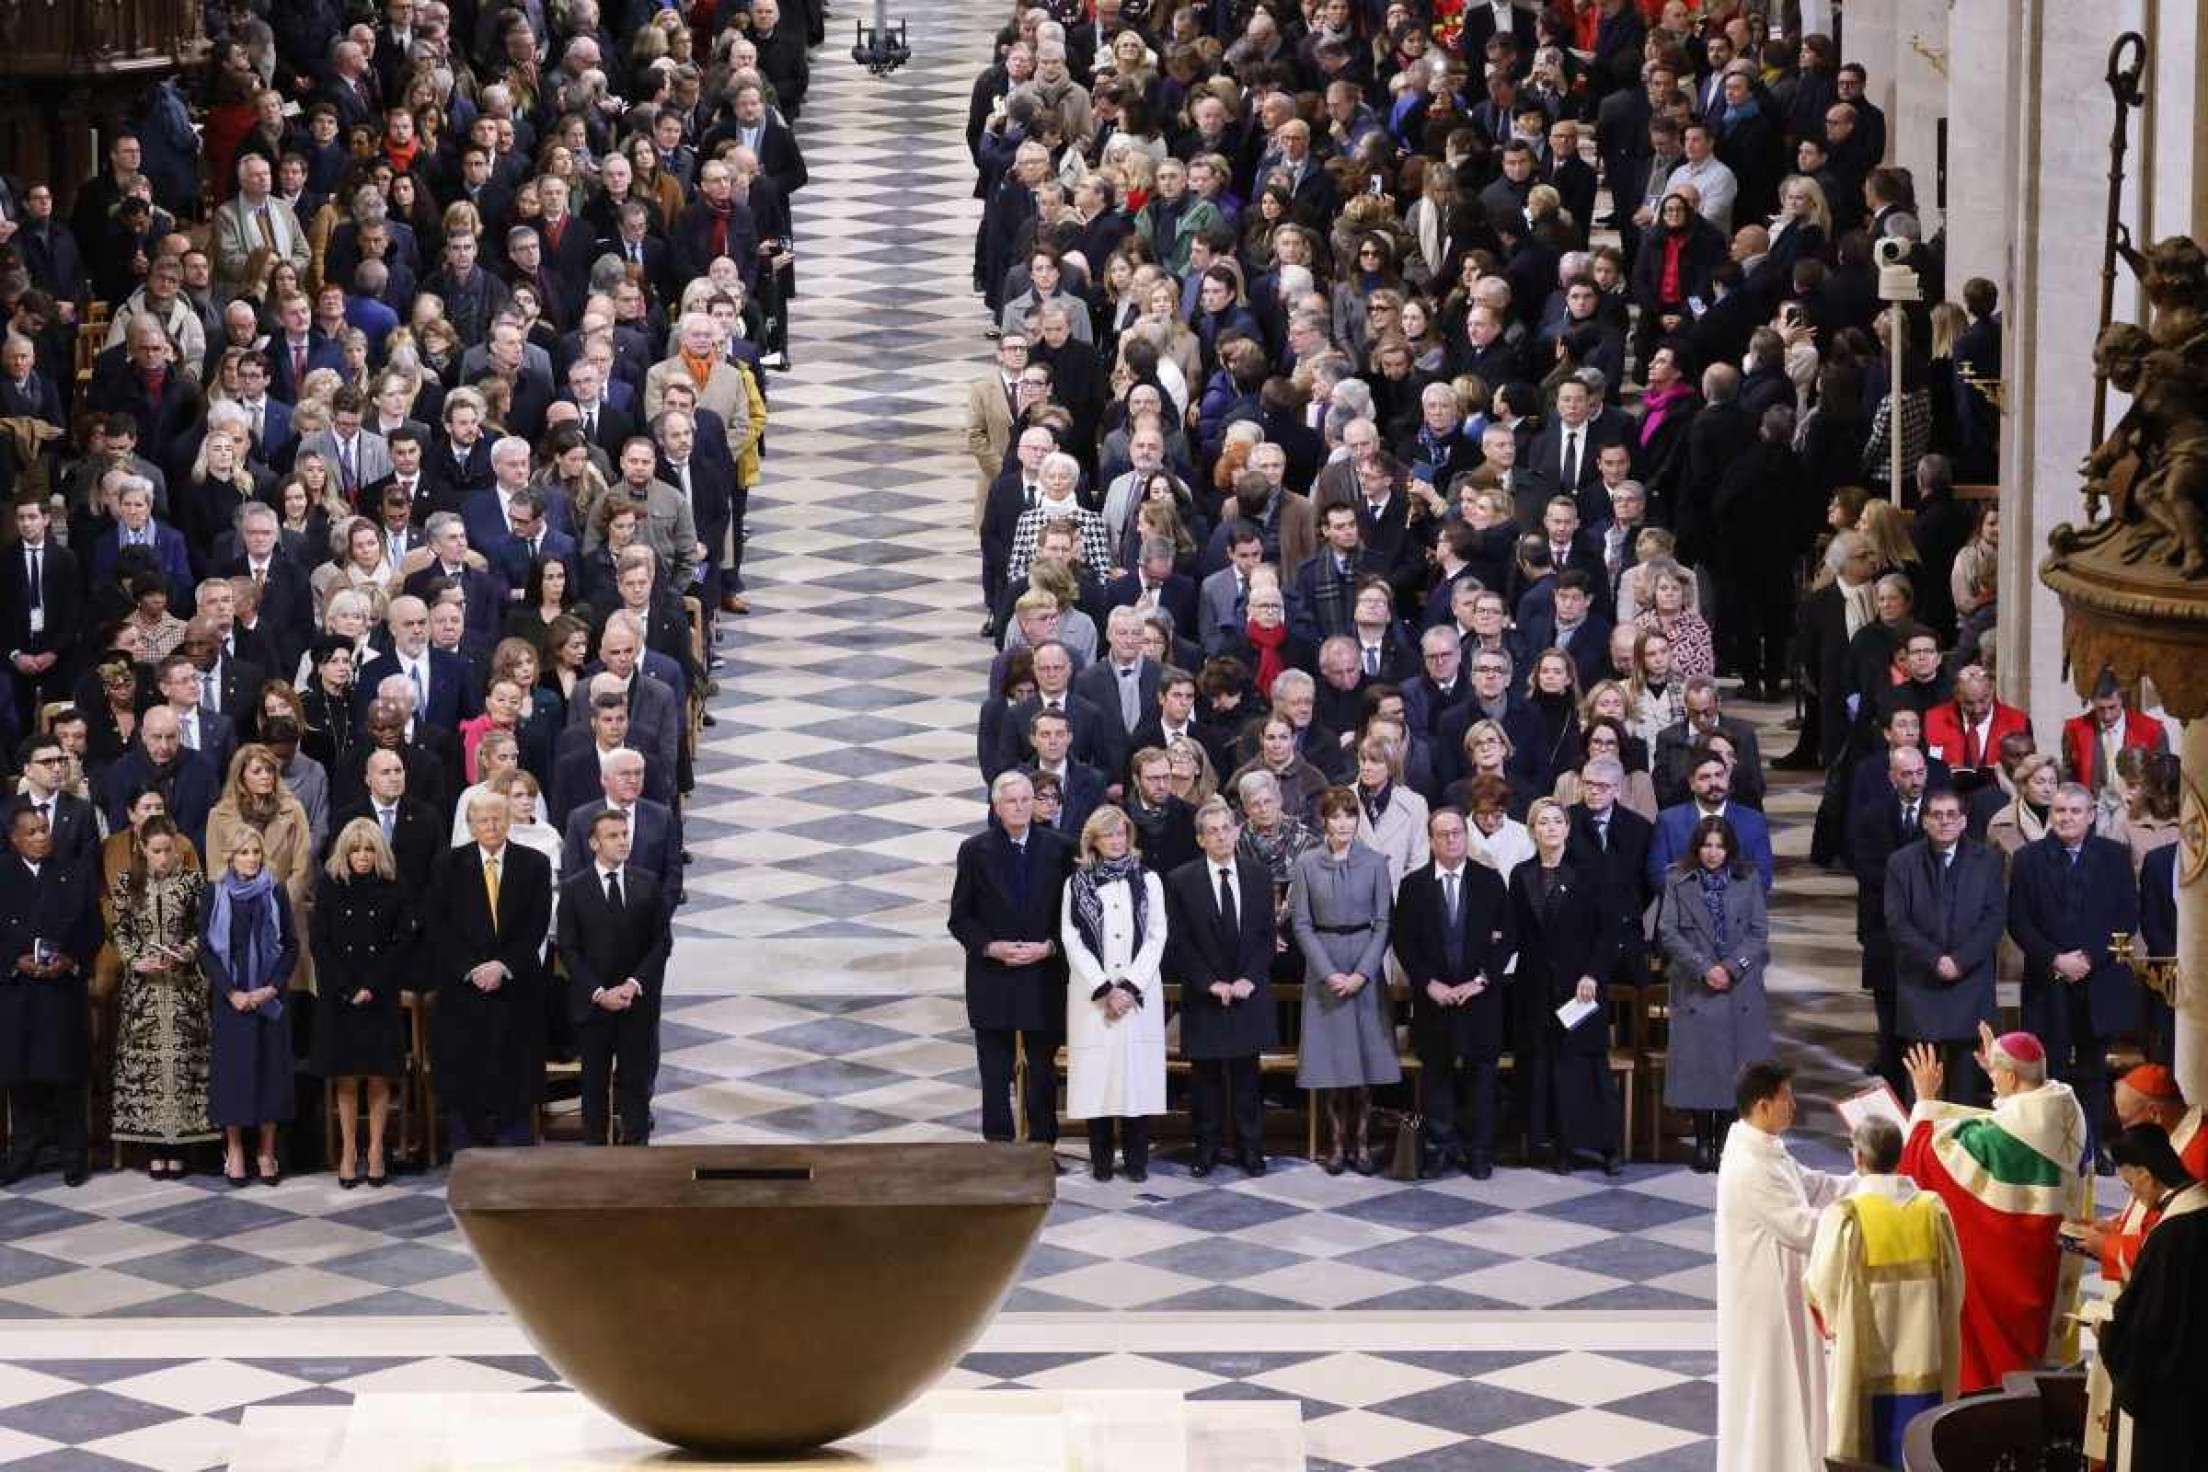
[[2153, 467]]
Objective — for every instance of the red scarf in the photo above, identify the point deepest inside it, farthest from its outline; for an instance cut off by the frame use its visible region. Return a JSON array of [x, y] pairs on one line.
[[1267, 642], [721, 214], [401, 157]]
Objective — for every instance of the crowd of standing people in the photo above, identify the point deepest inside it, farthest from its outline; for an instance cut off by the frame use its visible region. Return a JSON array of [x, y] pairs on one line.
[[361, 598]]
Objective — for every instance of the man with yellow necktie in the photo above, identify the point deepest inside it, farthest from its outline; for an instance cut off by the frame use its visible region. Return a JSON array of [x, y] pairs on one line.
[[488, 913]]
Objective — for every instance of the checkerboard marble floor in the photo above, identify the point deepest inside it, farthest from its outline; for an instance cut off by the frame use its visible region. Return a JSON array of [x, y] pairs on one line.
[[1522, 1322]]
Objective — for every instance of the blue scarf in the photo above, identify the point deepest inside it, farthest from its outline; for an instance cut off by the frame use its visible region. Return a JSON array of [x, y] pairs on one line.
[[1714, 884], [262, 942]]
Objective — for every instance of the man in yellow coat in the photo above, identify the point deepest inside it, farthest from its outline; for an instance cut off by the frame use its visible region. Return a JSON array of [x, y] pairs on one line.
[[1885, 1282]]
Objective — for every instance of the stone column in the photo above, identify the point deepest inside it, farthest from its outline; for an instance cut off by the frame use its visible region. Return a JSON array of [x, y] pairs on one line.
[[1868, 37], [1983, 46], [1920, 64], [2192, 920], [2061, 126]]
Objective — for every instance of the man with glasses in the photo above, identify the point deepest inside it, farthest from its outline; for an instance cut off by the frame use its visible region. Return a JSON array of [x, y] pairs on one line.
[[991, 408], [1611, 840], [1493, 699], [69, 819], [1943, 910]]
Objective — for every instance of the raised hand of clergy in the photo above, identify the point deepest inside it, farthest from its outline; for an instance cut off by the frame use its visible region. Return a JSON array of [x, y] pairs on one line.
[[1925, 1072]]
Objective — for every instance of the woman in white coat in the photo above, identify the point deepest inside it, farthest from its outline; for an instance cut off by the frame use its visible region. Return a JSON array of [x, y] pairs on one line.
[[1113, 924], [1390, 817]]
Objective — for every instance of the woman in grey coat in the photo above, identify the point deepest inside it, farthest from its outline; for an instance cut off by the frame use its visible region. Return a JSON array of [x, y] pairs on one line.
[[1339, 907], [1716, 941]]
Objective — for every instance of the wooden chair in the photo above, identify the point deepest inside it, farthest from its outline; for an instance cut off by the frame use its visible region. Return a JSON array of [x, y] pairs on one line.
[[418, 1006], [1626, 1032], [91, 338]]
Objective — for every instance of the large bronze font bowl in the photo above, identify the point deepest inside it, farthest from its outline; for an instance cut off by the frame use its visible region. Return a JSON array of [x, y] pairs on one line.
[[753, 1298]]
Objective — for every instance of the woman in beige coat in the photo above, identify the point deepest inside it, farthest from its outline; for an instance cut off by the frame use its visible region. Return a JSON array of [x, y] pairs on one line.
[[255, 797]]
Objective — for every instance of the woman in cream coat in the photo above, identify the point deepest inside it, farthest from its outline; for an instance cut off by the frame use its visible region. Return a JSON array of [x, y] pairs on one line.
[[1113, 928], [1391, 818]]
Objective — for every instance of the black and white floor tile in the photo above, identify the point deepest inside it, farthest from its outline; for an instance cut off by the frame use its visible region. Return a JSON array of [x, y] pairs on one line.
[[1527, 1321]]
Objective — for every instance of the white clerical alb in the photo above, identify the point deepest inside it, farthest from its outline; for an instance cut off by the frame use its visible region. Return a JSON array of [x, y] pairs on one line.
[[1770, 1359]]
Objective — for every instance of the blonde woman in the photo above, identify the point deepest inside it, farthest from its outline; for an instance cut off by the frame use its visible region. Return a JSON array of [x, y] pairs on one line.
[[360, 563], [1652, 545], [254, 800], [363, 934], [1195, 779], [1339, 906], [248, 946], [1113, 924], [1391, 818]]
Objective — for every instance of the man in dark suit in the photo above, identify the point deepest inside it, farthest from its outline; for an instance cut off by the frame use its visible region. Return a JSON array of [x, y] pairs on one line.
[[41, 595], [1674, 756], [159, 761], [1901, 726], [147, 384], [1875, 831], [514, 556], [1165, 826], [1565, 453], [579, 759], [49, 932], [202, 727], [73, 829], [1081, 786], [1453, 932], [1093, 730], [1154, 584], [449, 542], [1220, 948], [614, 939], [439, 678], [701, 471], [654, 845], [415, 832], [286, 609], [1004, 913], [135, 526], [1610, 839], [1123, 685], [1573, 624], [1943, 912], [486, 915], [431, 756], [1441, 684], [655, 715], [2068, 894]]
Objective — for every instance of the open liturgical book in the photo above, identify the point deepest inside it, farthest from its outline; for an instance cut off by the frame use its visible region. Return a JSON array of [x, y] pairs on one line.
[[1875, 1102]]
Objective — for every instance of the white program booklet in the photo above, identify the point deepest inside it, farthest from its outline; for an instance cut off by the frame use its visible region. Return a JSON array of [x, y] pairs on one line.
[[1574, 1012]]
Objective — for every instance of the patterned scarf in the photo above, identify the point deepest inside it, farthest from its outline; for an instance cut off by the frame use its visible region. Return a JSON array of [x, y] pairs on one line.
[[1714, 884], [1088, 899]]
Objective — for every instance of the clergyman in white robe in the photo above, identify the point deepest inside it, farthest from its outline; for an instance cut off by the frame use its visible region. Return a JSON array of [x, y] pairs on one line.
[[1770, 1358]]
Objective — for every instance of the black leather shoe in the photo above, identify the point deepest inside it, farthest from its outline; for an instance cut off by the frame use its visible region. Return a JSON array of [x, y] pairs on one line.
[[1138, 1173], [1705, 1158], [1478, 1167], [76, 1175], [1253, 1162], [1610, 1164], [1102, 1170], [1202, 1165]]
